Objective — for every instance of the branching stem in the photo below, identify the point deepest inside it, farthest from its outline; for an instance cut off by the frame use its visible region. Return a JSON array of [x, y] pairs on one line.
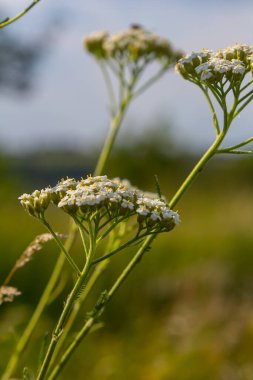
[[9, 21]]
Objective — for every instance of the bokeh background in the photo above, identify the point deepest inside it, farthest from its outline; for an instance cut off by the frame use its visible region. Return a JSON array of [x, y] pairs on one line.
[[186, 312]]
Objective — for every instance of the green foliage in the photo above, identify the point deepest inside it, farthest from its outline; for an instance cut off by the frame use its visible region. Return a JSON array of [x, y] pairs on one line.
[[186, 313]]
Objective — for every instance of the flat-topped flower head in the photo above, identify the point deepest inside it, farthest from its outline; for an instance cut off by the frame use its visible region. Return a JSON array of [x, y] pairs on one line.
[[102, 198], [211, 68], [131, 45]]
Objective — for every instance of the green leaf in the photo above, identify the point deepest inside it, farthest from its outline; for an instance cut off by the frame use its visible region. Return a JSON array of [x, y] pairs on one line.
[[28, 374]]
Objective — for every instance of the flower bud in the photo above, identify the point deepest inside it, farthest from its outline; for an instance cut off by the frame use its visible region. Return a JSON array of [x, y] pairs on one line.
[[95, 44]]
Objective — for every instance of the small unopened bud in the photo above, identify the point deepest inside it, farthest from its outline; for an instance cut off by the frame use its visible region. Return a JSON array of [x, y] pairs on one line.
[[94, 43]]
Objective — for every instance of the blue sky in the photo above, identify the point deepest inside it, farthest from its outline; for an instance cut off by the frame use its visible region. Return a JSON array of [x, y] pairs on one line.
[[69, 105]]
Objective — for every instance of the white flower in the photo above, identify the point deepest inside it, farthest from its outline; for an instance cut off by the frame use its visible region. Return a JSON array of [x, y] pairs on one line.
[[155, 215], [176, 218], [143, 210], [206, 74], [116, 198], [238, 69], [203, 67], [127, 204], [166, 213]]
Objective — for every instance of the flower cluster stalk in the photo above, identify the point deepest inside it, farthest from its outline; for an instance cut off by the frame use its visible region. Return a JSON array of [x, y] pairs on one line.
[[98, 310], [77, 305], [113, 243], [115, 125], [66, 310], [9, 21]]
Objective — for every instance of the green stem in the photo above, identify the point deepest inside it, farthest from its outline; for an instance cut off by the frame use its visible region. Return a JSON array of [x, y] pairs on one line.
[[112, 226], [120, 248], [100, 308], [63, 317], [26, 336], [196, 170], [92, 280], [82, 231], [99, 269], [61, 246], [150, 82], [245, 96], [109, 87], [228, 149], [246, 85], [215, 119], [243, 106], [21, 14], [115, 124]]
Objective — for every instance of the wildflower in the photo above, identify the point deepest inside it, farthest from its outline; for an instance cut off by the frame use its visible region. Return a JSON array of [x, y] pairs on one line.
[[212, 67], [104, 198]]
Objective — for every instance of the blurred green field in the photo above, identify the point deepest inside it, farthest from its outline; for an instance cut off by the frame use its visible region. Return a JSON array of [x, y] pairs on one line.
[[186, 313]]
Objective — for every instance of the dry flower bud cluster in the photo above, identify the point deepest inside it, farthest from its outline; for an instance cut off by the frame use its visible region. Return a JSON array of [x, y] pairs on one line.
[[211, 67], [8, 293], [131, 45], [104, 198], [35, 246]]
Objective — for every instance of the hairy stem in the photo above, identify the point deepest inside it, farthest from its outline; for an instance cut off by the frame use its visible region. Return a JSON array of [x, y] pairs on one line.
[[64, 315]]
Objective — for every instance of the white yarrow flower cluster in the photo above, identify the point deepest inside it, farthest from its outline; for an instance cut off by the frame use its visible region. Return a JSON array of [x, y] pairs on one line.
[[102, 197], [212, 67]]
